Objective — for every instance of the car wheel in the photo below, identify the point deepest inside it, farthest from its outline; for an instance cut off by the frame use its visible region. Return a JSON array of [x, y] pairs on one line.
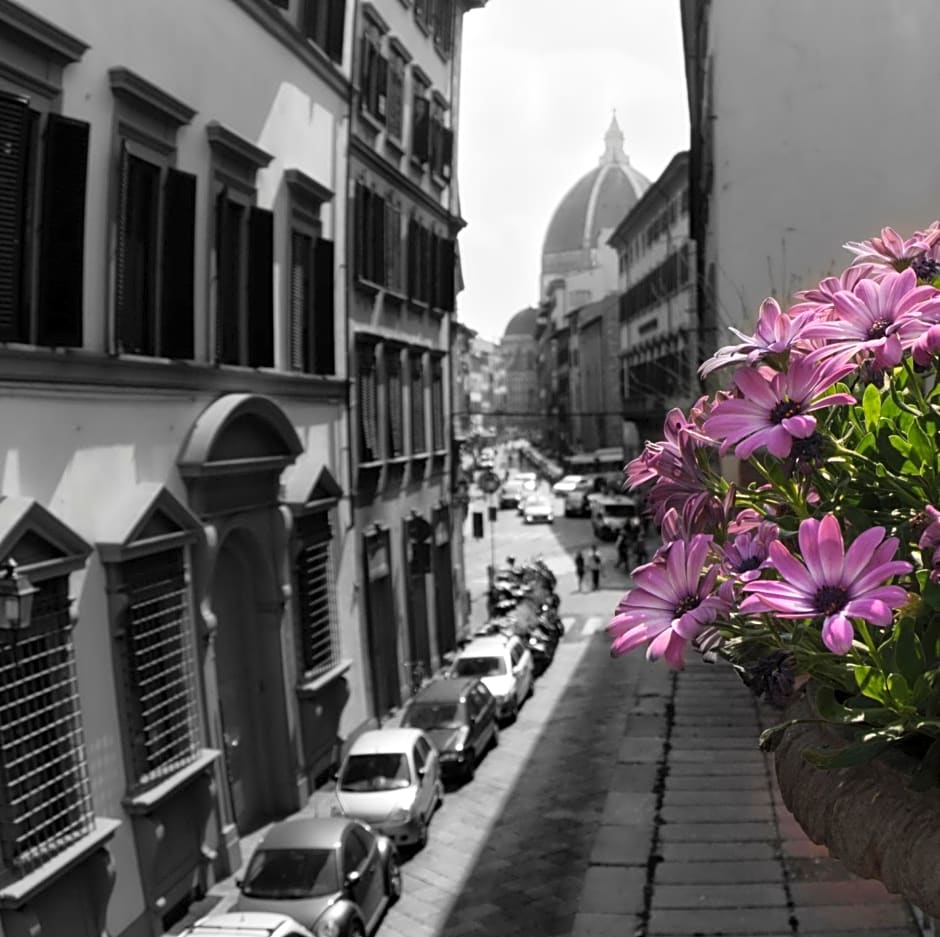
[[494, 741], [469, 773], [393, 879], [356, 929], [439, 797], [423, 835]]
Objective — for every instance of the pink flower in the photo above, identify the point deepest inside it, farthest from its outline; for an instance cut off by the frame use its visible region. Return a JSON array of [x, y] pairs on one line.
[[926, 346], [882, 318], [890, 248], [673, 601], [776, 333], [930, 540], [820, 299], [745, 555], [774, 408], [835, 583]]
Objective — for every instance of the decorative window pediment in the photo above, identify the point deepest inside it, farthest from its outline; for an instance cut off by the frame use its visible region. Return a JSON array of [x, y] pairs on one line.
[[42, 545], [324, 494], [147, 520]]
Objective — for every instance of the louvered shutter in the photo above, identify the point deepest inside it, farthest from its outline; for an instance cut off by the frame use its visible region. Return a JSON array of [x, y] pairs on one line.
[[283, 4], [422, 129], [136, 254], [449, 274], [324, 308], [299, 292], [260, 288], [178, 274], [418, 432], [336, 24], [427, 270], [434, 277], [381, 86], [359, 232], [411, 248], [447, 152], [365, 73], [315, 594], [378, 239], [228, 258], [437, 405], [368, 404], [393, 386], [14, 161]]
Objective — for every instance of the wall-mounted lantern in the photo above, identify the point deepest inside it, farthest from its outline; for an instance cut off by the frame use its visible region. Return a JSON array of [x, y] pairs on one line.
[[16, 599]]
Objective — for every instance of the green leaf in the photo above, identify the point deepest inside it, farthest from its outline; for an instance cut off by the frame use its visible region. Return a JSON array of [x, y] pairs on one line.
[[871, 404], [870, 683], [772, 737], [900, 690], [921, 444], [900, 444], [909, 655]]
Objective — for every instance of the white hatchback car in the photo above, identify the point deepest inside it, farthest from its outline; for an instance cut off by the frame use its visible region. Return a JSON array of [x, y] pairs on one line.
[[504, 666], [391, 779], [247, 924]]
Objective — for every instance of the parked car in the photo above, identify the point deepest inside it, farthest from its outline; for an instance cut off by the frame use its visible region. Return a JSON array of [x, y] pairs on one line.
[[335, 876], [561, 488], [460, 717], [391, 779], [612, 513], [247, 924], [578, 500], [538, 509], [504, 665]]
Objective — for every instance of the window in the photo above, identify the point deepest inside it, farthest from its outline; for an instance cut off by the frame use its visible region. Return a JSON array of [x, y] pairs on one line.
[[367, 385], [374, 76], [418, 431], [423, 13], [43, 161], [395, 116], [394, 262], [441, 141], [45, 786], [157, 659], [419, 268], [393, 387], [154, 259], [316, 599], [437, 404], [444, 25], [355, 852], [323, 23], [369, 235], [244, 254], [420, 123]]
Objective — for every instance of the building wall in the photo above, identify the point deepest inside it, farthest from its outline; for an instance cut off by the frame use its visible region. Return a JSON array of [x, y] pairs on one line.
[[787, 192], [86, 430]]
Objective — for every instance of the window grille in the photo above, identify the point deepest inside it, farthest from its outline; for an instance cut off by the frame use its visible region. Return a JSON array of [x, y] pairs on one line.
[[319, 638], [162, 718], [47, 795]]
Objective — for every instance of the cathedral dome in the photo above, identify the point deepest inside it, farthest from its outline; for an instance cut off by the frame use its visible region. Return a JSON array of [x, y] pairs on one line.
[[523, 323], [599, 200]]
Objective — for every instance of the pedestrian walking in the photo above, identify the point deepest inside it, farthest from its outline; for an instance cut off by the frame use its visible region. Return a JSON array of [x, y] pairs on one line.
[[579, 567], [594, 564]]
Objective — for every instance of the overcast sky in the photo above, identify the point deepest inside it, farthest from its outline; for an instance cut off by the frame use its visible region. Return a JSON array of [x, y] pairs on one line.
[[539, 80]]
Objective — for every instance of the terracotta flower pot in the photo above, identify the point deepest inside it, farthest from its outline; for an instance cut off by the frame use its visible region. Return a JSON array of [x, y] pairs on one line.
[[866, 816]]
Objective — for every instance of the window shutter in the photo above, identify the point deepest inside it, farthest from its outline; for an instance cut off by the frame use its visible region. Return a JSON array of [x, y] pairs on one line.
[[283, 4], [315, 594], [14, 160], [365, 73], [435, 266], [368, 404], [412, 244], [300, 247], [378, 239], [418, 433], [178, 274], [447, 152], [228, 251], [359, 232], [136, 254], [368, 258], [324, 305], [421, 133], [396, 94], [336, 24], [449, 275], [260, 288], [427, 270], [381, 81], [393, 385]]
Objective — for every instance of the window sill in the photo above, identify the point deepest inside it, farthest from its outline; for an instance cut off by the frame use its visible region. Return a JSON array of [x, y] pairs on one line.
[[396, 297], [147, 801], [399, 460], [373, 466], [438, 180], [418, 164], [442, 53], [396, 145], [19, 892], [419, 304], [422, 26], [310, 688], [374, 123], [367, 286], [420, 456]]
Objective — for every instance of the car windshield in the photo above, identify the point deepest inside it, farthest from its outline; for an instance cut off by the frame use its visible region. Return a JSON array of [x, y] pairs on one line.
[[537, 504], [383, 771], [479, 666], [619, 510], [442, 715], [291, 873]]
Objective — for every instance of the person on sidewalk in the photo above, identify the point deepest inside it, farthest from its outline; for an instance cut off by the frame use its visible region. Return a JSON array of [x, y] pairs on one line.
[[579, 567], [594, 564]]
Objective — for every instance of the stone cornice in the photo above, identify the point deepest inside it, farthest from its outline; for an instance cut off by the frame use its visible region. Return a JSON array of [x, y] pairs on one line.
[[55, 42], [142, 93], [229, 144]]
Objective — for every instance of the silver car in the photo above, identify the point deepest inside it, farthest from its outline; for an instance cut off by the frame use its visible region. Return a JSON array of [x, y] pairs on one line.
[[334, 876], [391, 779]]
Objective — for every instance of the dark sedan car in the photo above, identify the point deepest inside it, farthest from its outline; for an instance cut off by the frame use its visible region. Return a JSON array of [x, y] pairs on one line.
[[460, 715], [335, 876]]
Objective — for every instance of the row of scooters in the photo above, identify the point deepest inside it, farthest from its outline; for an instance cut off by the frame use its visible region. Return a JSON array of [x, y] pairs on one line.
[[523, 602]]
